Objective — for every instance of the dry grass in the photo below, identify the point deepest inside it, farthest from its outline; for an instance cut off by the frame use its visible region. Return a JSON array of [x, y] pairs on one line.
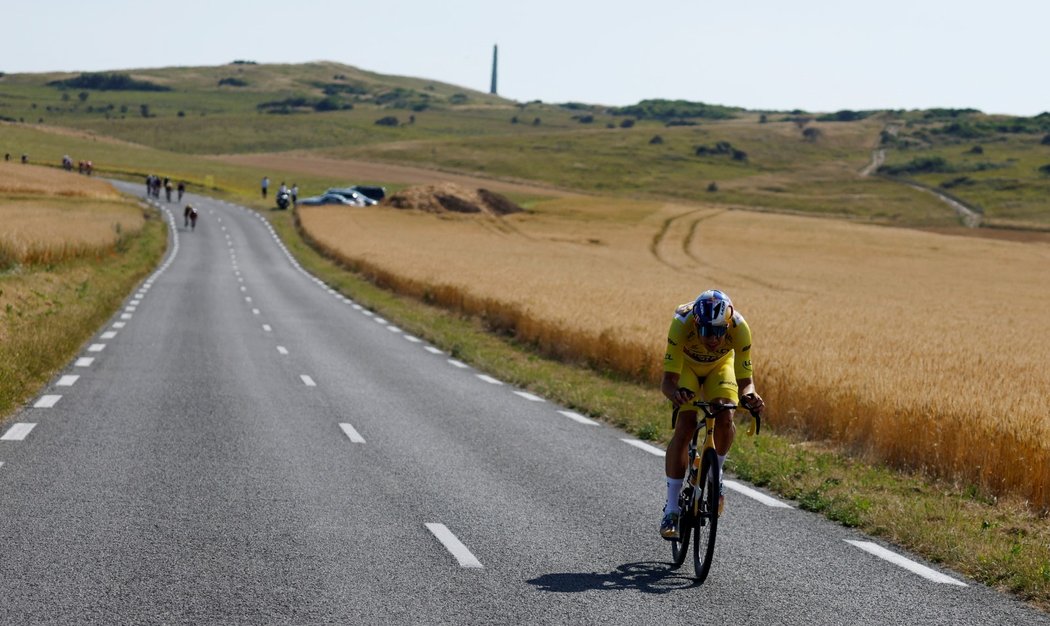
[[50, 216], [18, 179], [920, 350]]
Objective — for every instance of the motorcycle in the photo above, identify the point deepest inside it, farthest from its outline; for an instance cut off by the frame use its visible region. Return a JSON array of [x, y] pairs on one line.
[[284, 200]]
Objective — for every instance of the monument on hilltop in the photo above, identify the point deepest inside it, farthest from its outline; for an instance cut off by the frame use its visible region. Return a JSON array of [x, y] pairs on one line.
[[495, 56]]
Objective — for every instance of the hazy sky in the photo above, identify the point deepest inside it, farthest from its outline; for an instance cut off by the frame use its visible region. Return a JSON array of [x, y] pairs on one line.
[[819, 55]]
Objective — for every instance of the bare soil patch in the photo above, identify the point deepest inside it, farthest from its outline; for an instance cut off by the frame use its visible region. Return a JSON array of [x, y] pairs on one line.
[[445, 197]]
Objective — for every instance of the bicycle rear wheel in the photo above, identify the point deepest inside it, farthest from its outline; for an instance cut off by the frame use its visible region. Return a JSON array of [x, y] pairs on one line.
[[706, 521]]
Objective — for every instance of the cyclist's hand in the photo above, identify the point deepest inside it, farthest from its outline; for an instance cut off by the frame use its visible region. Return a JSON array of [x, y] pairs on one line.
[[753, 403], [681, 396]]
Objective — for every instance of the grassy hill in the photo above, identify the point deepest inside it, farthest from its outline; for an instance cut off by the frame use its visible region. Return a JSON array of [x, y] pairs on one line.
[[777, 161]]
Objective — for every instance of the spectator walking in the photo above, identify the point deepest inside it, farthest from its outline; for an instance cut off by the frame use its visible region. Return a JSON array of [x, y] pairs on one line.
[[265, 185], [295, 195], [182, 189]]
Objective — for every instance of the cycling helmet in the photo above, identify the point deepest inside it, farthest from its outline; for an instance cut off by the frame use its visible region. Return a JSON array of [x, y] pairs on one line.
[[712, 311]]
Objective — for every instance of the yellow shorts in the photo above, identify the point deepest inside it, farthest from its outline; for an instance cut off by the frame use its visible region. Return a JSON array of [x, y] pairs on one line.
[[718, 383]]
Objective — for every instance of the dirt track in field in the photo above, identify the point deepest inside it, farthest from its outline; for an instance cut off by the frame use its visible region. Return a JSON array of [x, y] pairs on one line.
[[380, 173]]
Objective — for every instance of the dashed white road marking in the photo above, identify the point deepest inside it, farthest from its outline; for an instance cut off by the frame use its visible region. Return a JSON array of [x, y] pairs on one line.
[[18, 432], [756, 495], [255, 311], [433, 350], [644, 446], [84, 361], [109, 334], [309, 382], [454, 545], [576, 417], [379, 320], [413, 339], [267, 327], [119, 324], [96, 347], [393, 329], [282, 349], [490, 380], [528, 396], [247, 298], [125, 316], [67, 381], [46, 402], [352, 434], [906, 563], [367, 312], [459, 364]]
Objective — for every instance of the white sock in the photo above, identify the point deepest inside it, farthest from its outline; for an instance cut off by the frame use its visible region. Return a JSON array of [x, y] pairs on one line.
[[721, 464], [674, 487]]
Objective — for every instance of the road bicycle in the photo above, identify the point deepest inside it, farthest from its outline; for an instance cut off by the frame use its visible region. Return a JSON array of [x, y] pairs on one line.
[[698, 502]]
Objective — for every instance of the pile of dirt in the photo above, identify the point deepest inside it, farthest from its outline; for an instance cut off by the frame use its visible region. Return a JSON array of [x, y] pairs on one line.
[[445, 197]]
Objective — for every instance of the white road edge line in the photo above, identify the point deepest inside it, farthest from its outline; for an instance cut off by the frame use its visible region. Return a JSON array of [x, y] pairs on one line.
[[84, 361], [18, 432], [432, 350], [67, 381], [351, 433], [576, 417], [528, 396], [459, 364], [906, 563], [453, 545], [490, 380], [755, 495], [46, 402], [644, 446]]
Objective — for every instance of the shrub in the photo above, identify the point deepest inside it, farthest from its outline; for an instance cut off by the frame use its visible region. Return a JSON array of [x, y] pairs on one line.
[[1046, 140], [389, 120], [958, 181], [627, 123], [844, 116], [713, 187], [675, 109], [922, 165], [106, 81], [233, 82], [812, 134], [976, 150], [1045, 170], [656, 140], [583, 119], [181, 114], [514, 120], [536, 122]]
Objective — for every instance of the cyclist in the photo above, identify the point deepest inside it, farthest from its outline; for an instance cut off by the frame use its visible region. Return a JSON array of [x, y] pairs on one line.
[[708, 355]]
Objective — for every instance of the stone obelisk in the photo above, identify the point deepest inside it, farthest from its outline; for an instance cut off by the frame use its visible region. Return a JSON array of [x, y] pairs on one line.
[[495, 55]]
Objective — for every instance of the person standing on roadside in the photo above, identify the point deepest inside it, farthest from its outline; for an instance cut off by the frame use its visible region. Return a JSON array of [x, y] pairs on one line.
[[265, 185], [182, 189], [295, 195]]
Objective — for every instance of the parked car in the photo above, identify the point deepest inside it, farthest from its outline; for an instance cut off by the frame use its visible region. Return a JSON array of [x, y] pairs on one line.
[[351, 194], [375, 193], [328, 198]]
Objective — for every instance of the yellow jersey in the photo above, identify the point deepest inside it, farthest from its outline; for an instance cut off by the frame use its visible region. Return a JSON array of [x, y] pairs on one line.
[[686, 348]]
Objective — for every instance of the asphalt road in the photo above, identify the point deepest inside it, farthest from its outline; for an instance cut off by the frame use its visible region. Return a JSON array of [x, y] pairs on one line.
[[240, 444]]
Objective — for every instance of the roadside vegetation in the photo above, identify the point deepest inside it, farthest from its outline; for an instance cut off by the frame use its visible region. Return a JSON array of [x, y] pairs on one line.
[[880, 374], [70, 252]]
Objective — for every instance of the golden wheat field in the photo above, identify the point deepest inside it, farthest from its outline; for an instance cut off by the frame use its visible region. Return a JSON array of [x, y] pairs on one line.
[[921, 350], [50, 215]]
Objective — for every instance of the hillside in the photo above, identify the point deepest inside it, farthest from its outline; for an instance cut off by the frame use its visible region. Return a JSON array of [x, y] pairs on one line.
[[795, 161]]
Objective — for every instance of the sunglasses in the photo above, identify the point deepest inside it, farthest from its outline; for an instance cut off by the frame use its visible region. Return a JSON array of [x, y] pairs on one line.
[[711, 331]]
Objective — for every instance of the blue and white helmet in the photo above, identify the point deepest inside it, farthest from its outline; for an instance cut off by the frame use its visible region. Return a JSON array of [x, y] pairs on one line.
[[712, 312]]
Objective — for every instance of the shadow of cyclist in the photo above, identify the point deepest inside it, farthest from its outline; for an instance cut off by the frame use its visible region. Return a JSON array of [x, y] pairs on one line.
[[646, 577]]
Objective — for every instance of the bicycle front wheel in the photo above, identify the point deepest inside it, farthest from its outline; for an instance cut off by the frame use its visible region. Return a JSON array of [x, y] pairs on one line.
[[680, 546], [706, 522]]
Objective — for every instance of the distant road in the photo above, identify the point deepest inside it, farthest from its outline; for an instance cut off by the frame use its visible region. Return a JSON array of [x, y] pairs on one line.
[[241, 444]]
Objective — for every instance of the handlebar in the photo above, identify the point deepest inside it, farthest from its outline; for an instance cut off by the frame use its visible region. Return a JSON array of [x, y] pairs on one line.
[[710, 409]]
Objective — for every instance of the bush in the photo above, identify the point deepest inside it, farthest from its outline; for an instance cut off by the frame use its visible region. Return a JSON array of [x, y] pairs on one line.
[[976, 150], [923, 165], [627, 123], [233, 82], [1045, 170], [583, 119], [1046, 140], [713, 187], [105, 81], [812, 134], [656, 140], [389, 120], [844, 116]]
